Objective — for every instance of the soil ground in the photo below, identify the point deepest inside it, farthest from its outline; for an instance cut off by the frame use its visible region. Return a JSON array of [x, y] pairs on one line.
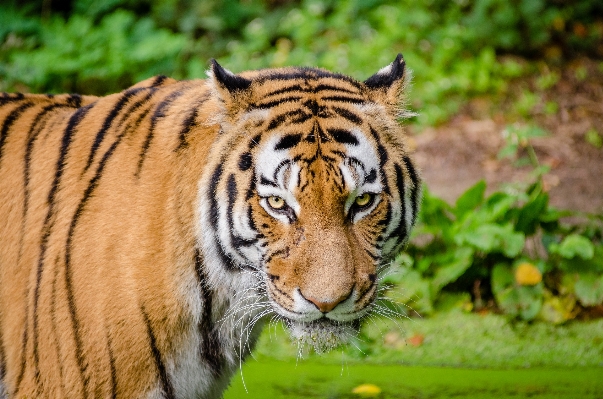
[[454, 156]]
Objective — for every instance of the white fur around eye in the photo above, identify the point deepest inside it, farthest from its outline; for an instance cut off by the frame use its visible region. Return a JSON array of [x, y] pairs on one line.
[[364, 212], [281, 217]]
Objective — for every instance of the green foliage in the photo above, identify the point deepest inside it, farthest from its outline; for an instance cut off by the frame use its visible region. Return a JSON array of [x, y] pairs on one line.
[[79, 56], [454, 47], [483, 242]]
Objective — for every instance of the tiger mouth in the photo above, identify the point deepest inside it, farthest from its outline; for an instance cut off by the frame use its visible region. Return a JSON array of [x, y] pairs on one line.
[[323, 334]]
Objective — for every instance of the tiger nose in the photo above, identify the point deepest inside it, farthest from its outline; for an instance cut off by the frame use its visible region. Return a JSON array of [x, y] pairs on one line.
[[326, 306]]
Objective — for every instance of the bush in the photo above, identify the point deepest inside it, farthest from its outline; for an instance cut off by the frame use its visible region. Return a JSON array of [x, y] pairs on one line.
[[510, 247]]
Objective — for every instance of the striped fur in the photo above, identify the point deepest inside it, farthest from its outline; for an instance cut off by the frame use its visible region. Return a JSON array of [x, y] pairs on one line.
[[141, 251]]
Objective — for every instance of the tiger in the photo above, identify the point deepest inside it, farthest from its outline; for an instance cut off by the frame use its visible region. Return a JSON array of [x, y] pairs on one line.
[[148, 236]]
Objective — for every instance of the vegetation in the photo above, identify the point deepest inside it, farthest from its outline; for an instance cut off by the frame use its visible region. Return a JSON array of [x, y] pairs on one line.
[[508, 251], [510, 246]]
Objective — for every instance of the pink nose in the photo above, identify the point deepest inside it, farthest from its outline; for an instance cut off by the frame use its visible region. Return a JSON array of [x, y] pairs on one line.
[[327, 306]]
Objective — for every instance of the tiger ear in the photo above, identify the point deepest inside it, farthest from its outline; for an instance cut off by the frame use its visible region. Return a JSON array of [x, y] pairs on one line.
[[228, 80], [232, 89], [388, 84]]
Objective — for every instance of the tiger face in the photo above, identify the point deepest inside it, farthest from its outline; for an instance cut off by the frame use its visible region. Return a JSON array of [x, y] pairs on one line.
[[316, 195]]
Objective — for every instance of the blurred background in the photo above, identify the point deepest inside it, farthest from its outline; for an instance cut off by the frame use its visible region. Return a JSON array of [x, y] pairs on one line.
[[502, 281]]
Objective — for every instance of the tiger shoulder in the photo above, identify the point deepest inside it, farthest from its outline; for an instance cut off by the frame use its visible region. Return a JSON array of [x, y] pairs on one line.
[[147, 236]]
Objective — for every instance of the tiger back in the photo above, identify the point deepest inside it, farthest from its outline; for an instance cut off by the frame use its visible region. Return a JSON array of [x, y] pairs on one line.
[[148, 235]]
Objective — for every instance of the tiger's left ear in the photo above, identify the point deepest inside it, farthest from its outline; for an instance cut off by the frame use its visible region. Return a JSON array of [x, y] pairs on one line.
[[387, 85], [232, 89]]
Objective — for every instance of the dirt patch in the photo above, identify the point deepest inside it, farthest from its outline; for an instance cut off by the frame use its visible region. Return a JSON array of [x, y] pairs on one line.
[[456, 155]]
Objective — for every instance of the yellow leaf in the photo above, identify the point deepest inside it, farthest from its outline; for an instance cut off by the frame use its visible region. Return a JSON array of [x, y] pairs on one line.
[[527, 274], [367, 390]]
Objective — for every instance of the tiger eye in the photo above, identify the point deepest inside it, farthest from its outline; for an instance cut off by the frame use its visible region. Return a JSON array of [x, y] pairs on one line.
[[276, 202], [363, 200]]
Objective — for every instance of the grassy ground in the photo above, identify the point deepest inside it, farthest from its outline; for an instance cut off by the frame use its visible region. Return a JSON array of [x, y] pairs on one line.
[[275, 380], [452, 354]]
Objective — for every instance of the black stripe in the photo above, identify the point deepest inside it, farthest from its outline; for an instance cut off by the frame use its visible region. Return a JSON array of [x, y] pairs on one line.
[[343, 136], [250, 189], [213, 189], [8, 122], [74, 100], [7, 98], [112, 367], [307, 73], [279, 120], [190, 121], [144, 100], [346, 99], [158, 81], [245, 161], [271, 104], [100, 135], [325, 87], [349, 115], [400, 230], [414, 195], [288, 141], [187, 125], [166, 383], [211, 347], [383, 158], [283, 90], [214, 216], [66, 140], [264, 181], [255, 140], [53, 320], [236, 241], [159, 113], [23, 353], [371, 176], [32, 135]]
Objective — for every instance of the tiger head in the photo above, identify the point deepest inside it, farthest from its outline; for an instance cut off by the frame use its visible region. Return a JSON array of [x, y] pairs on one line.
[[312, 192]]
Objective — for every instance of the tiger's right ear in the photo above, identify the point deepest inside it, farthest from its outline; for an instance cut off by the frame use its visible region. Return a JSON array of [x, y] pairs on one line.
[[228, 80], [233, 90]]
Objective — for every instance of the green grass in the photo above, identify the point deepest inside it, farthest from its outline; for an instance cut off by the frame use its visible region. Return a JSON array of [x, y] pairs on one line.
[[310, 379], [463, 355]]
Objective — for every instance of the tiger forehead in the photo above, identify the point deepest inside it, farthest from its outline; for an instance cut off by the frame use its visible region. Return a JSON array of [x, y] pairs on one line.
[[305, 89]]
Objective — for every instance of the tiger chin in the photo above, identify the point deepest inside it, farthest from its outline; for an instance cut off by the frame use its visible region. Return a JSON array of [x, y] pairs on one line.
[[147, 236]]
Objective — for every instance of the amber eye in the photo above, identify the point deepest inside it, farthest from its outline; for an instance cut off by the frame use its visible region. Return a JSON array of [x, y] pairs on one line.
[[363, 200], [276, 202]]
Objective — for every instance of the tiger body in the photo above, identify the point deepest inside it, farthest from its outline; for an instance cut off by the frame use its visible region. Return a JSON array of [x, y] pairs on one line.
[[147, 236]]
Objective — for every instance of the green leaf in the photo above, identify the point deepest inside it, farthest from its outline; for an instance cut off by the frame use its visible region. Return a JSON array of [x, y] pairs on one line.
[[484, 238], [574, 245], [445, 274], [501, 278], [589, 289], [512, 242], [493, 238], [529, 215], [579, 265], [530, 301], [470, 199]]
